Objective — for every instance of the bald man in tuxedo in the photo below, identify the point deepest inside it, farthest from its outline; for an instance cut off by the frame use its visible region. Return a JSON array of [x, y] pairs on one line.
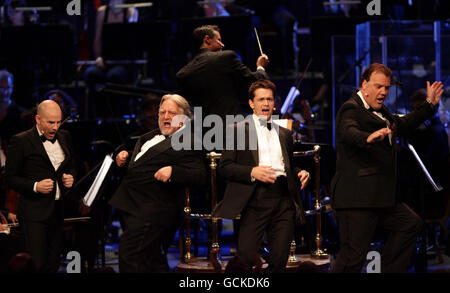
[[41, 167]]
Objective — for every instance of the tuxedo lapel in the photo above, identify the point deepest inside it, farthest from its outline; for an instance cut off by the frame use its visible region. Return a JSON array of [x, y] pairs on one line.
[[156, 150], [371, 115], [250, 127], [64, 147], [139, 144], [151, 152], [38, 145], [282, 136]]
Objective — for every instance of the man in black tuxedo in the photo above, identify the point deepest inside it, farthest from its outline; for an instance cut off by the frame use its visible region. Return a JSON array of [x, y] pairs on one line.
[[263, 183], [216, 79], [149, 194], [364, 186], [41, 167]]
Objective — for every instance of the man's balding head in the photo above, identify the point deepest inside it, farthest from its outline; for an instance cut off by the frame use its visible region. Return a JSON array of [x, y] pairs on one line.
[[48, 118], [47, 106]]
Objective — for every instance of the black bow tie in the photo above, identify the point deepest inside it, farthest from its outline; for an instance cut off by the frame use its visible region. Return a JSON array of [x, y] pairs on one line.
[[264, 123], [43, 138], [373, 110], [165, 135]]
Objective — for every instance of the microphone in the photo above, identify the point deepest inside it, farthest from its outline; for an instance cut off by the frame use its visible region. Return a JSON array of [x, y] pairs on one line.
[[396, 81]]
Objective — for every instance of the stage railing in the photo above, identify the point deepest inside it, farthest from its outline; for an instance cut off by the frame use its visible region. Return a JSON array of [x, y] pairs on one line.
[[213, 158], [317, 211]]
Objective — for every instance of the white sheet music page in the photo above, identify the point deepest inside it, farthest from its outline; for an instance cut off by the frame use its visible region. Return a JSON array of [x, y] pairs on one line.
[[93, 190]]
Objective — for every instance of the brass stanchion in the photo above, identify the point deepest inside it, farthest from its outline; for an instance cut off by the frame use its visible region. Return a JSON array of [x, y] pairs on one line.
[[318, 253], [215, 248], [292, 260], [188, 257]]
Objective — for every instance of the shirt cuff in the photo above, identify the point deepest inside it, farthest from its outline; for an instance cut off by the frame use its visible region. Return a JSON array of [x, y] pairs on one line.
[[429, 102], [34, 187], [260, 68]]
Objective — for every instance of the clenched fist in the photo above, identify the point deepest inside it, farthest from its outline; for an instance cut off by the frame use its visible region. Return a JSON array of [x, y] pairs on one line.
[[67, 180], [164, 174], [45, 186], [121, 158]]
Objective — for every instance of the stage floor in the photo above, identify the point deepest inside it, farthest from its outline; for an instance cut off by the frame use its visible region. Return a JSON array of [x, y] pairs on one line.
[[112, 260]]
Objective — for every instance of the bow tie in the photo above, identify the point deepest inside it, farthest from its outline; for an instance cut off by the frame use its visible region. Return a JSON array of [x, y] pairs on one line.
[[43, 138], [373, 110], [264, 123], [165, 136]]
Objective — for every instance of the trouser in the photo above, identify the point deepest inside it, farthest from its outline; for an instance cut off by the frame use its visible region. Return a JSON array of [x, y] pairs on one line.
[[270, 210], [141, 247], [44, 240], [357, 228]]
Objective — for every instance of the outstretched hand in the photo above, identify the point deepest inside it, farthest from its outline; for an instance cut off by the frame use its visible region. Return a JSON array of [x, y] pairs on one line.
[[378, 135], [434, 91]]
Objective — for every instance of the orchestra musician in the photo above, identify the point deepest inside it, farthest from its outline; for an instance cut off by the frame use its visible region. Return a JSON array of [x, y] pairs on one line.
[[41, 167]]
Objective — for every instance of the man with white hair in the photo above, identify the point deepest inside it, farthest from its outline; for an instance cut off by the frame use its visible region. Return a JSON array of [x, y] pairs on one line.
[[149, 194]]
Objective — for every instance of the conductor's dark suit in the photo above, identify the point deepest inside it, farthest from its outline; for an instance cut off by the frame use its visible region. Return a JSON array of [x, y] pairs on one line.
[[40, 215], [217, 81], [364, 187], [260, 204], [152, 208]]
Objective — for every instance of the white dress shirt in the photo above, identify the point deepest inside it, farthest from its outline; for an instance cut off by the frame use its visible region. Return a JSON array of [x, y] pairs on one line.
[[154, 141], [56, 156], [269, 147], [148, 144]]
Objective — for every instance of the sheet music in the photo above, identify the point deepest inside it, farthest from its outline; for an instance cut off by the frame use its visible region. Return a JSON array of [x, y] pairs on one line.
[[286, 123], [93, 190], [293, 93], [436, 187]]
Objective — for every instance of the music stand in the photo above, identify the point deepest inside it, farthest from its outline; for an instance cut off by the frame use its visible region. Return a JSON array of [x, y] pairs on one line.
[[436, 186], [98, 181]]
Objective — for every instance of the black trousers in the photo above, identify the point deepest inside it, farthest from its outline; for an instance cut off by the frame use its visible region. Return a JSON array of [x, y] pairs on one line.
[[357, 228], [44, 240], [269, 210], [142, 247]]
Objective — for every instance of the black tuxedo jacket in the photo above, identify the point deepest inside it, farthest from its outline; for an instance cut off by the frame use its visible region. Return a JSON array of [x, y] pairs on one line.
[[236, 166], [141, 195], [27, 162], [217, 81], [366, 173]]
